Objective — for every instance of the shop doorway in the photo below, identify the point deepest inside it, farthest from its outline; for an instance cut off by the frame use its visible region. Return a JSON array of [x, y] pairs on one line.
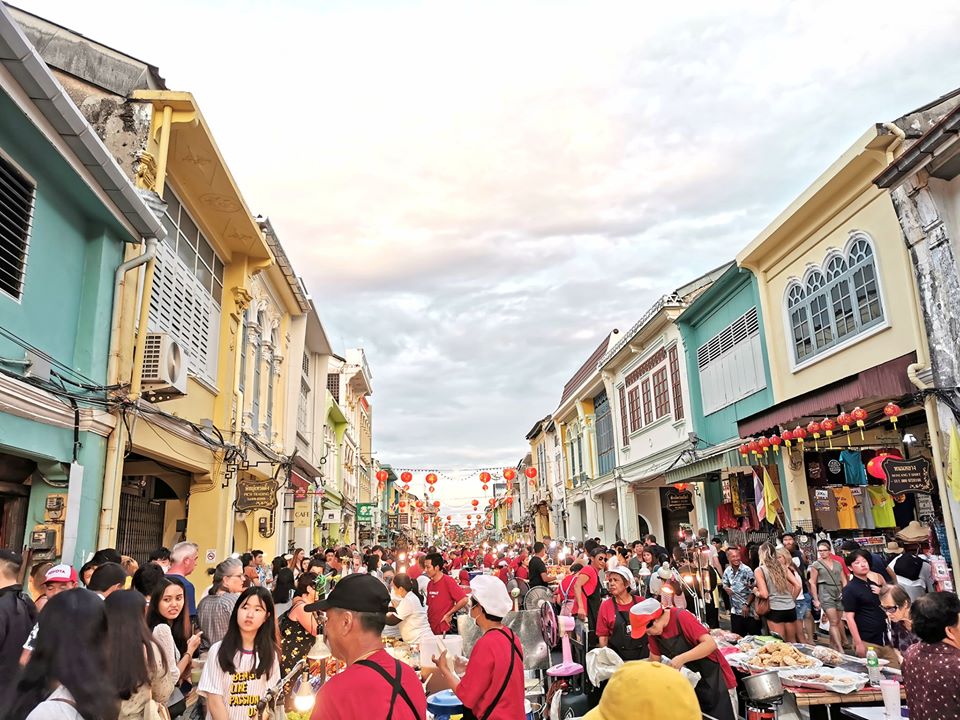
[[140, 527], [14, 498], [675, 510]]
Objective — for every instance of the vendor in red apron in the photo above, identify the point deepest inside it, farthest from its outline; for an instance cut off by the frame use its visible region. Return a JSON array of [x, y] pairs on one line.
[[492, 686], [681, 637], [374, 685], [613, 619]]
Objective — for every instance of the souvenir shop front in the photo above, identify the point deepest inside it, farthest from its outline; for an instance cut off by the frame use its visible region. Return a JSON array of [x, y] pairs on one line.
[[864, 473]]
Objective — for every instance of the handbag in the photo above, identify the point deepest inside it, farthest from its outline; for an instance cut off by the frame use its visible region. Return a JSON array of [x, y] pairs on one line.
[[761, 606]]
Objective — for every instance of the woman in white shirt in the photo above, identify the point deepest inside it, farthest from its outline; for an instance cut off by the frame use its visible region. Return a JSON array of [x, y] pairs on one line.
[[245, 664], [410, 614], [66, 677]]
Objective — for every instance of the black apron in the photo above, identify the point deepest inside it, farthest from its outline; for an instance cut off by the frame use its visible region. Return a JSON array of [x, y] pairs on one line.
[[620, 640], [593, 610], [711, 691], [467, 712], [394, 681]]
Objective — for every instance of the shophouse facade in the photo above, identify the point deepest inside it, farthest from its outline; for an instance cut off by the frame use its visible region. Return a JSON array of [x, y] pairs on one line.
[[723, 337], [70, 215]]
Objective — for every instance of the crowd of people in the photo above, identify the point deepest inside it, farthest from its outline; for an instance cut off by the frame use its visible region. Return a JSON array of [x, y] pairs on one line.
[[115, 639]]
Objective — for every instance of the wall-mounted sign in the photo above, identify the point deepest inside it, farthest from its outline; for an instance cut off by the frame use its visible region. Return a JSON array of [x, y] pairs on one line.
[[393, 521], [256, 495], [301, 515], [365, 512], [331, 517], [679, 500], [907, 476]]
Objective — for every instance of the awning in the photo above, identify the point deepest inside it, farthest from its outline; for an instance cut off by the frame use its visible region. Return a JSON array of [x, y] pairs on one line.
[[721, 459], [883, 382]]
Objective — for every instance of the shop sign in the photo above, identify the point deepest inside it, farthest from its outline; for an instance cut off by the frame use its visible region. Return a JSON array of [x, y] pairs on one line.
[[405, 519], [300, 486], [331, 517], [907, 476], [256, 495], [925, 509], [679, 500], [735, 495], [301, 515], [393, 521], [365, 512]]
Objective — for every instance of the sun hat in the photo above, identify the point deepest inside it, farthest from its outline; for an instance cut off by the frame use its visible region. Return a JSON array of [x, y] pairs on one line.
[[914, 533], [641, 614], [893, 548], [61, 573], [491, 594], [643, 689]]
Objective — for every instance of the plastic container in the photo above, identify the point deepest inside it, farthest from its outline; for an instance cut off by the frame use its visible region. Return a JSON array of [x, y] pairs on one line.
[[873, 667]]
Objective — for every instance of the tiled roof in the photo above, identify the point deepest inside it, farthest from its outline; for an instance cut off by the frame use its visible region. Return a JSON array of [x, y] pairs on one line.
[[585, 371]]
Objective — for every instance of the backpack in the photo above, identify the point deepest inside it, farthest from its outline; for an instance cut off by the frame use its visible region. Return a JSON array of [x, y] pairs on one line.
[[909, 566]]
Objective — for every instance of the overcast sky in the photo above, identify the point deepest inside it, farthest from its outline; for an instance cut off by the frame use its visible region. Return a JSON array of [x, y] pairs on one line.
[[477, 192]]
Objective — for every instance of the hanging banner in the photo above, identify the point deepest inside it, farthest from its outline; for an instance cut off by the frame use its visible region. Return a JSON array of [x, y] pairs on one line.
[[907, 476], [735, 495]]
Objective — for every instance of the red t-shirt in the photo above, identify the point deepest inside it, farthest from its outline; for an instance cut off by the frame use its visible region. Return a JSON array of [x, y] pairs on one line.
[[488, 560], [442, 595], [566, 585], [361, 692], [684, 621], [503, 574], [456, 563], [486, 671], [607, 618], [522, 573], [415, 571]]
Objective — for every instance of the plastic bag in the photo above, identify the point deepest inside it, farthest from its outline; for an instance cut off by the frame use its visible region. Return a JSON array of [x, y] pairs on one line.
[[693, 677], [601, 664]]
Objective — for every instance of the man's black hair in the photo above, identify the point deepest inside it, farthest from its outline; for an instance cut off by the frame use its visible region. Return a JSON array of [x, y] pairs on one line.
[[106, 555], [106, 576], [538, 547], [436, 559], [933, 613], [161, 553]]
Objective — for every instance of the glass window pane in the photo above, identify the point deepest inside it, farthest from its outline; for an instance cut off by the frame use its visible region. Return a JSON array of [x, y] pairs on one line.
[[186, 253], [206, 252], [843, 309], [218, 269], [801, 333], [217, 291], [205, 276], [188, 229], [868, 301], [820, 321], [173, 205], [170, 224]]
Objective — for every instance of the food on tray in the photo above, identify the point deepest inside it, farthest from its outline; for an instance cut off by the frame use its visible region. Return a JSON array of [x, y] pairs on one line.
[[780, 654], [828, 656], [725, 635], [748, 645]]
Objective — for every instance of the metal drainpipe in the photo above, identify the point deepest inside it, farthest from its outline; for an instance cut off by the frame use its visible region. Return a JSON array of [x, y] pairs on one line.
[[116, 438], [933, 422]]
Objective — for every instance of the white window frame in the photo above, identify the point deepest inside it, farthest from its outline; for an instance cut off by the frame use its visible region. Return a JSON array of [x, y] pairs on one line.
[[723, 350], [796, 295]]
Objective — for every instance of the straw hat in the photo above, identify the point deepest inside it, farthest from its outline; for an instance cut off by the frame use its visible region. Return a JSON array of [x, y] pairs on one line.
[[914, 533], [893, 548]]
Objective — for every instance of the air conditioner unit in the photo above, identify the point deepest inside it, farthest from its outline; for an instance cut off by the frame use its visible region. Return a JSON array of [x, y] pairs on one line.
[[164, 368]]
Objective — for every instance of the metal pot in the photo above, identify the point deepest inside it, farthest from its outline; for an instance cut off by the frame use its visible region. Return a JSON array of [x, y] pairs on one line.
[[764, 687]]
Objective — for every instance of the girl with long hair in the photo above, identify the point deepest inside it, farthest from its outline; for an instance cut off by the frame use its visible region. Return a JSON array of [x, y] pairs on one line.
[[410, 613], [298, 628], [213, 610], [296, 562], [781, 588], [245, 664], [283, 589], [168, 620], [67, 676], [137, 664]]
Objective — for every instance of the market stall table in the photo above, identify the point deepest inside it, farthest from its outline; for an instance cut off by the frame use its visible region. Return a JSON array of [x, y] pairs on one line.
[[864, 713]]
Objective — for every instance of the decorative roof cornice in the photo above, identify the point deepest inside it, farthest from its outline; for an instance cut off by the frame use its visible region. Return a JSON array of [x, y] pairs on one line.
[[667, 301]]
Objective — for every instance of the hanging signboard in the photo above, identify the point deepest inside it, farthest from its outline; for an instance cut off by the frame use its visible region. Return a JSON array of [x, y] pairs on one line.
[[393, 521], [331, 517], [255, 494], [907, 476], [735, 495], [679, 500], [300, 486], [301, 515], [365, 512]]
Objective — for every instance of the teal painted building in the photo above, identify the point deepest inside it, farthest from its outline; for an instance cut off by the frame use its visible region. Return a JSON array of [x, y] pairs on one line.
[[728, 376], [67, 215]]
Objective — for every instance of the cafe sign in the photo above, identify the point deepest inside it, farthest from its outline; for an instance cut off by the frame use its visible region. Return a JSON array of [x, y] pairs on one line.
[[255, 494], [679, 500], [907, 476]]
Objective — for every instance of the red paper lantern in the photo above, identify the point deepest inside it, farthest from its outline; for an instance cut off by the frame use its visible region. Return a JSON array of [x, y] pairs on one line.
[[430, 478], [764, 444], [828, 426], [474, 502], [859, 416], [775, 443], [406, 477], [845, 420], [419, 504], [485, 488], [509, 474], [892, 410], [530, 472], [799, 434], [436, 503], [449, 518], [745, 450], [510, 500], [875, 465], [493, 502], [431, 489], [754, 447], [401, 504], [382, 476], [787, 437], [485, 478]]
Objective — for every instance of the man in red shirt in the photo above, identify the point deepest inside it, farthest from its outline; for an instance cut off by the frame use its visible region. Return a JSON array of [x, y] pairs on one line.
[[679, 635], [488, 559], [374, 685], [503, 571], [492, 686], [444, 596]]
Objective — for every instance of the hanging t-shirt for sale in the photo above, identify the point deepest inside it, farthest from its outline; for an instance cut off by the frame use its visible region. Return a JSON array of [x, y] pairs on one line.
[[882, 506], [853, 469], [240, 690], [833, 469], [862, 508], [846, 513], [825, 509], [814, 469]]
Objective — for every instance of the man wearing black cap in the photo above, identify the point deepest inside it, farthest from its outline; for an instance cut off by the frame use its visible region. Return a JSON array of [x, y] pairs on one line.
[[374, 686]]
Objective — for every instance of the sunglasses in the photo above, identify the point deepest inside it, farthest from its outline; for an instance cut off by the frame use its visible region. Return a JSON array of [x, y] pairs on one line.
[[889, 609]]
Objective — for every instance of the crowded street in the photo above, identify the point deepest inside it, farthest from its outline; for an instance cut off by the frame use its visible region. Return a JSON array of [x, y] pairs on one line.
[[529, 360]]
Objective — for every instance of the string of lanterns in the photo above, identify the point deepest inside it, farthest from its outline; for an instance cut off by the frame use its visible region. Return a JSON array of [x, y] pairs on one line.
[[431, 479], [759, 447]]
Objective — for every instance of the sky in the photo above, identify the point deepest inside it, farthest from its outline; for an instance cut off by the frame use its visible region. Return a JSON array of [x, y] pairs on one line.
[[478, 192]]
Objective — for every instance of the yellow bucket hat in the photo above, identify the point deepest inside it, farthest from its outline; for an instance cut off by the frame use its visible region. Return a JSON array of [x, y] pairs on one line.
[[643, 689]]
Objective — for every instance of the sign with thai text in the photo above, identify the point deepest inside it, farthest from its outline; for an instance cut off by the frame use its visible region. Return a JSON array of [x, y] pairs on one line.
[[255, 494], [907, 476]]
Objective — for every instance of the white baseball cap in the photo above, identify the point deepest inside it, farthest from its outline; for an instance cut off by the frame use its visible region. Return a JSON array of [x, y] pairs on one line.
[[491, 594]]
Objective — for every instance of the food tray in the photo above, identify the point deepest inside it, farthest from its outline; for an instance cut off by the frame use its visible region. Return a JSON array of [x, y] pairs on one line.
[[828, 679]]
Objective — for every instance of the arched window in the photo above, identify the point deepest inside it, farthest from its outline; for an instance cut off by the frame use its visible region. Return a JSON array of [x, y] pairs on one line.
[[836, 303]]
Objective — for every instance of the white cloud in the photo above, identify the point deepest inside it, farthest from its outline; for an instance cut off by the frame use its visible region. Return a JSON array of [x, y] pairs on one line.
[[478, 192]]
